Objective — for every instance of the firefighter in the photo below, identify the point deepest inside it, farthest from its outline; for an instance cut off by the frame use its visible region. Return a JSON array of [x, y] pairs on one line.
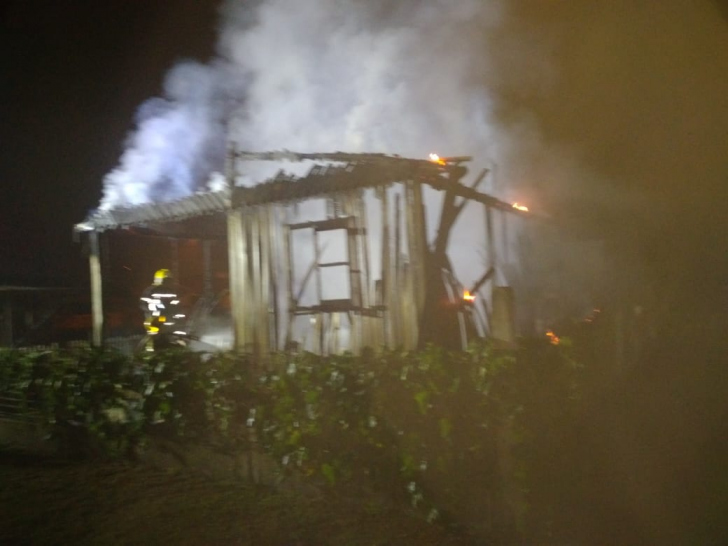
[[160, 304]]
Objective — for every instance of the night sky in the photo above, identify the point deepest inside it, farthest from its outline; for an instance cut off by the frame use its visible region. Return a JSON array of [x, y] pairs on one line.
[[75, 73]]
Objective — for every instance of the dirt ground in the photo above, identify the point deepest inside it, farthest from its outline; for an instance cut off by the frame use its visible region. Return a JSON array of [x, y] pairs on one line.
[[50, 502]]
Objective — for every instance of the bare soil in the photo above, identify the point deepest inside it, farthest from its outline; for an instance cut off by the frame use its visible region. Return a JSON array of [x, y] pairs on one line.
[[46, 502]]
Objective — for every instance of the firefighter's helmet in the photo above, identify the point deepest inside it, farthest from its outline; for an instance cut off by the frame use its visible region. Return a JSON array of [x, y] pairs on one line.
[[161, 275]]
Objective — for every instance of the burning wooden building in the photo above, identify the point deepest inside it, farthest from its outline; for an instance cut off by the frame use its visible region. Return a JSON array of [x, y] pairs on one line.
[[336, 259]]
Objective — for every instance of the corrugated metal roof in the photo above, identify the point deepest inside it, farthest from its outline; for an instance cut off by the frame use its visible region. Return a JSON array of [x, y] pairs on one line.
[[199, 204], [326, 179], [357, 171]]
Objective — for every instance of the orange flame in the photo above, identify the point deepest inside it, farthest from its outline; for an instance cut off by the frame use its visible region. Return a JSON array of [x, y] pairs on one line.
[[437, 159], [467, 296], [520, 207], [552, 337]]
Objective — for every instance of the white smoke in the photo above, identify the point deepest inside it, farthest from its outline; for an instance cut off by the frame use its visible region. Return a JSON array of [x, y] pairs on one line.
[[180, 139], [323, 75], [342, 75]]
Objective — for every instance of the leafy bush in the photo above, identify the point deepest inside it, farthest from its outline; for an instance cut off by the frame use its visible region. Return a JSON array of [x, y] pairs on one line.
[[466, 436], [82, 395]]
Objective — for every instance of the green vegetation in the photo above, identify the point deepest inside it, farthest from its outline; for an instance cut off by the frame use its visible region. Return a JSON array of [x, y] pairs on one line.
[[541, 443], [456, 436]]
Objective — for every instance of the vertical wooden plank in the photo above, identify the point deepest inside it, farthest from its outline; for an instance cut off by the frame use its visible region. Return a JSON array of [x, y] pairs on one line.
[[407, 313], [97, 306], [492, 255], [274, 271], [319, 318], [355, 273], [233, 249], [334, 335], [409, 325], [317, 260], [288, 256], [503, 328], [504, 238], [489, 238], [355, 281], [421, 247], [265, 309], [416, 250], [238, 267], [354, 333], [321, 333], [255, 296], [238, 259], [395, 292], [362, 238], [386, 288]]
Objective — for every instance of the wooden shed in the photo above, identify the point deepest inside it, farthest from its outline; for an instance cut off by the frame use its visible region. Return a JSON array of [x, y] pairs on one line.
[[393, 290]]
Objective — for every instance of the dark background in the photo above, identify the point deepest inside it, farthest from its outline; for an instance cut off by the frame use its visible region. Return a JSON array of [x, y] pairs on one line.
[[74, 74]]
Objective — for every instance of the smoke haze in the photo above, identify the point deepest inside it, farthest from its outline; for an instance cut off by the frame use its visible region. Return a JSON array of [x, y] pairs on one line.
[[323, 75], [180, 139], [593, 112]]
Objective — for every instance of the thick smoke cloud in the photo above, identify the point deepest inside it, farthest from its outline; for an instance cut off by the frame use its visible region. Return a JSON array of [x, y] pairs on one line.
[[332, 74], [563, 95], [610, 116], [344, 75], [179, 140]]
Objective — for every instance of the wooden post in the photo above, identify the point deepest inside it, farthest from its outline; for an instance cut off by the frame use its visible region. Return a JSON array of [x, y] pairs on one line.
[[265, 279], [289, 277], [362, 238], [492, 258], [395, 291], [421, 247], [409, 322], [255, 297], [355, 276], [319, 318], [489, 239], [274, 272], [386, 289], [334, 335], [416, 246], [97, 306], [503, 328], [238, 260]]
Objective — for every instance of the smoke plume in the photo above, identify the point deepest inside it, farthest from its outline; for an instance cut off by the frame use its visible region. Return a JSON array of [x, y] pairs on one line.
[[179, 140], [404, 78], [589, 111]]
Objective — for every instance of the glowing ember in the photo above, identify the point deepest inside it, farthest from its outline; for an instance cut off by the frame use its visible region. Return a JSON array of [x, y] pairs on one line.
[[437, 159], [467, 296], [552, 337], [520, 207]]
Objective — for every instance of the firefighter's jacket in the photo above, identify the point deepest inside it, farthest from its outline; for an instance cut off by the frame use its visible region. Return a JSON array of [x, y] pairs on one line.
[[161, 307]]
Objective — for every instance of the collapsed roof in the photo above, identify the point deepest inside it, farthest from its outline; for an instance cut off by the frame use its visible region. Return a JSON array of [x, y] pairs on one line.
[[342, 172]]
